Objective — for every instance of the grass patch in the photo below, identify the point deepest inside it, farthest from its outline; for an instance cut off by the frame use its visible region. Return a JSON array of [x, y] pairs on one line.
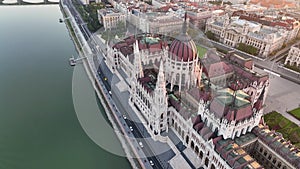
[[222, 50], [71, 31], [288, 129], [201, 51], [295, 113], [294, 67], [120, 31]]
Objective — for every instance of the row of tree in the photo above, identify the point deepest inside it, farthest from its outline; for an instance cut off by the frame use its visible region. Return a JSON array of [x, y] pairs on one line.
[[247, 48], [89, 14]]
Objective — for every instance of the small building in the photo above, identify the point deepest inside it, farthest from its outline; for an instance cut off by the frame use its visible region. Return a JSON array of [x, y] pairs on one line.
[[293, 57], [110, 18]]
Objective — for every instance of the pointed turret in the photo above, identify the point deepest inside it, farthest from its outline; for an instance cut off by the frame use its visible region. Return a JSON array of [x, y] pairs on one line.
[[158, 120], [161, 84], [138, 68], [184, 26]]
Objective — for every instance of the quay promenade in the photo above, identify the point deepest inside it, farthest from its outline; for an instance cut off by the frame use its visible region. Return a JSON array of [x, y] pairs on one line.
[[129, 144]]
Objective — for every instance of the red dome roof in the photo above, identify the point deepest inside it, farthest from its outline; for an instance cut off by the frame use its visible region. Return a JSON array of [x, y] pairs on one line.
[[183, 48]]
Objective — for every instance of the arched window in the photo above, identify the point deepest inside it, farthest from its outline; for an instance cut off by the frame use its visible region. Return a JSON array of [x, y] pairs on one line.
[[201, 154], [270, 157], [187, 139], [192, 145], [197, 150], [206, 162], [212, 167], [279, 165]]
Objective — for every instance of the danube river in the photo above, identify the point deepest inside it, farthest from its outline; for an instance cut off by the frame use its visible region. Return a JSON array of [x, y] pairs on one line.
[[39, 128]]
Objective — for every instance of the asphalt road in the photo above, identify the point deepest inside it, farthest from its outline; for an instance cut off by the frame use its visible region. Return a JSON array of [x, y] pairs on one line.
[[93, 44], [270, 65], [146, 148]]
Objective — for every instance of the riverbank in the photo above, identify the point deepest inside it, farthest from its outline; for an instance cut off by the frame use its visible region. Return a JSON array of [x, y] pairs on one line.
[[39, 125], [91, 72]]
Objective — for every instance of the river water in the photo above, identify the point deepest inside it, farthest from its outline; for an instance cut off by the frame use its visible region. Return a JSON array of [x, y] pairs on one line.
[[39, 128]]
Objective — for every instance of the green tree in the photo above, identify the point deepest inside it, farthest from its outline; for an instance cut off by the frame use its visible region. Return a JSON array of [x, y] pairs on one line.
[[211, 36], [247, 48]]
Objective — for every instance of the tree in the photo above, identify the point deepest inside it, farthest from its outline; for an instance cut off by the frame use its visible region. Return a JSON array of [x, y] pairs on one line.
[[247, 48], [211, 36]]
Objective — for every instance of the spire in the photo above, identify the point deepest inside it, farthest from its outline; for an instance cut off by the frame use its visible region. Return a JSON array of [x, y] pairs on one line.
[[160, 103], [184, 26], [136, 47], [137, 63], [161, 76]]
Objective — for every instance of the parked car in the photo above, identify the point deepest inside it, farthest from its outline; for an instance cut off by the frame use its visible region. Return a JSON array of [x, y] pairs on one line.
[[151, 163], [130, 127], [141, 144]]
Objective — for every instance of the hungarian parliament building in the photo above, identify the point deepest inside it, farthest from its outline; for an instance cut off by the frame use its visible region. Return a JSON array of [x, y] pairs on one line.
[[213, 103]]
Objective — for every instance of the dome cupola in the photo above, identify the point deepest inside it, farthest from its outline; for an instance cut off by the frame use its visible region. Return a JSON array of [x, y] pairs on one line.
[[183, 47]]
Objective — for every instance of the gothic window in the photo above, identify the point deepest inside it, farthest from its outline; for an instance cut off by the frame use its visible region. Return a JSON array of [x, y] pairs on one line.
[[201, 154], [187, 140], [279, 165], [206, 161], [197, 150], [192, 145], [179, 130], [270, 157], [183, 79]]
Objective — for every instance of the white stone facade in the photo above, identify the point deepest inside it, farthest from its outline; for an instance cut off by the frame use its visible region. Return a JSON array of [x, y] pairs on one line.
[[110, 18], [155, 22], [159, 117], [232, 31], [293, 57]]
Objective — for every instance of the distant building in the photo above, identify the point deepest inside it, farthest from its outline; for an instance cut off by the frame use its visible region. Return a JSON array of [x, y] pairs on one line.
[[274, 4], [280, 20], [199, 17], [245, 8], [155, 22], [232, 31], [293, 57], [110, 18]]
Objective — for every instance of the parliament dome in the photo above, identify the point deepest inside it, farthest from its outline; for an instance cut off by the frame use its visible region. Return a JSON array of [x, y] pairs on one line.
[[183, 47]]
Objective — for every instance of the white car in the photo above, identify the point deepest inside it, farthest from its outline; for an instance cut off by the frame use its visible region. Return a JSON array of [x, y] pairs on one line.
[[141, 144], [151, 163], [130, 127], [124, 117]]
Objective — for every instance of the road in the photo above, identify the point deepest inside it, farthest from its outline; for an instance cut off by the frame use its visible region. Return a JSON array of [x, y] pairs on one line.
[[283, 96], [270, 65], [98, 52], [147, 150]]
